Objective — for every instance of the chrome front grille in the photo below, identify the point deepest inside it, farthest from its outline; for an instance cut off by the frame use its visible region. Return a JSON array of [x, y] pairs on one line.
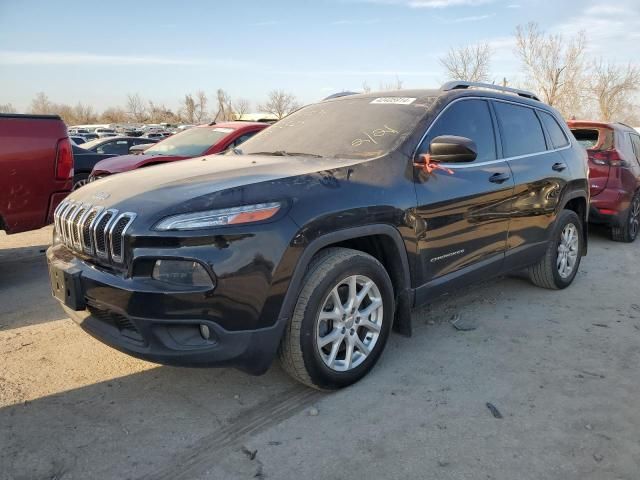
[[93, 230]]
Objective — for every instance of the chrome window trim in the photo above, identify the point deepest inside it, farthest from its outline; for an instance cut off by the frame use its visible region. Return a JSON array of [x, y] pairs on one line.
[[455, 166], [131, 216]]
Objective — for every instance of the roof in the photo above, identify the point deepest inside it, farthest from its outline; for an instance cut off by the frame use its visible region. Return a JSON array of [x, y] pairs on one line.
[[598, 124], [235, 125]]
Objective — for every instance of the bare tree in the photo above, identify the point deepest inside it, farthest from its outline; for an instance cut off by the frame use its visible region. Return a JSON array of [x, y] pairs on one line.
[[201, 106], [241, 107], [394, 85], [188, 110], [365, 87], [41, 104], [136, 108], [84, 114], [225, 109], [7, 108], [470, 63], [160, 113], [280, 104], [611, 86], [554, 66], [114, 115]]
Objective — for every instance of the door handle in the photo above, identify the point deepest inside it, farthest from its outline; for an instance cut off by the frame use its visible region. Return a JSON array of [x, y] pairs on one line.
[[499, 177], [558, 167]]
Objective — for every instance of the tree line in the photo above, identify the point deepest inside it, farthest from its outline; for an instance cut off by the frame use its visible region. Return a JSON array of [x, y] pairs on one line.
[[557, 68], [559, 71], [194, 108]]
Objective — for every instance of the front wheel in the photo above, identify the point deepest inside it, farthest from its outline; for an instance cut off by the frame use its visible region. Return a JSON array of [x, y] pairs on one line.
[[341, 321], [559, 266], [80, 180]]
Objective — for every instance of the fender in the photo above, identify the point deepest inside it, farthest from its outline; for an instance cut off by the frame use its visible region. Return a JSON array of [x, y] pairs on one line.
[[404, 300], [572, 195]]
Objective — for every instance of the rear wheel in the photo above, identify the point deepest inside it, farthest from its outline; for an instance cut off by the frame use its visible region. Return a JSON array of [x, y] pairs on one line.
[[341, 321], [629, 231], [559, 266]]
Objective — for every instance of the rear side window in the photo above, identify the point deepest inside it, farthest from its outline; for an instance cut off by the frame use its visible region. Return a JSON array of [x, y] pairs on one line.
[[521, 130], [558, 138], [466, 118]]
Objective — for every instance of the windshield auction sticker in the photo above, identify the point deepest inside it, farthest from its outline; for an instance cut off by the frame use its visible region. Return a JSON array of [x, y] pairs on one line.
[[394, 100]]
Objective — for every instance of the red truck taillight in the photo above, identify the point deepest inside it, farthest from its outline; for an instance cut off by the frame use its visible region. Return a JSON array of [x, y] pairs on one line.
[[64, 159]]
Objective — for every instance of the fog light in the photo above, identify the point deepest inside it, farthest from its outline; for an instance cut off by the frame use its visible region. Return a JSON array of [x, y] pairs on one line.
[[182, 272], [204, 331]]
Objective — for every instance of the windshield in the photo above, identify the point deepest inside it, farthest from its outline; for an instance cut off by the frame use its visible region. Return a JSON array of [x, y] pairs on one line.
[[92, 143], [189, 143], [348, 128]]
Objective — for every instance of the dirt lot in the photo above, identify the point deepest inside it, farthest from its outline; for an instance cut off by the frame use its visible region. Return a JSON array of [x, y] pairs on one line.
[[561, 367]]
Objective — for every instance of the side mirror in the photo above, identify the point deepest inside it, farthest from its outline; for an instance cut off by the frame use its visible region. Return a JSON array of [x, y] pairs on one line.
[[452, 149]]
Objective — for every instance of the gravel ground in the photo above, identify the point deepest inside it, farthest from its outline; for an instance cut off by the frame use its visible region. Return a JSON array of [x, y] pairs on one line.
[[559, 367]]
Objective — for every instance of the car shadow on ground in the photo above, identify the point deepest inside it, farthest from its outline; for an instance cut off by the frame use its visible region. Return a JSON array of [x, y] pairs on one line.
[[144, 422]]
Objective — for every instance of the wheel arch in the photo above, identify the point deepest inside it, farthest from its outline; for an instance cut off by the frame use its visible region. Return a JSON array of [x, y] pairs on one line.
[[578, 203], [382, 242]]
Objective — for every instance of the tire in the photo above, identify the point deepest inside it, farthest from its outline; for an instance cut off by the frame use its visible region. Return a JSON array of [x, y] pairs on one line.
[[80, 180], [629, 231], [301, 354], [547, 272]]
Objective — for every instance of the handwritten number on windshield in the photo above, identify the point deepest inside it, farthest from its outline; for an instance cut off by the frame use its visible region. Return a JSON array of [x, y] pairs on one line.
[[370, 137]]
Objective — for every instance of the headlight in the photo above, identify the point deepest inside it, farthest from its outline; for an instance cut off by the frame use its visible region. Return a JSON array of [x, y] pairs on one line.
[[182, 272], [224, 216]]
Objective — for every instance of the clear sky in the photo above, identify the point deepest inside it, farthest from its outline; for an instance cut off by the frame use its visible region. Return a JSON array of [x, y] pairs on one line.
[[97, 52]]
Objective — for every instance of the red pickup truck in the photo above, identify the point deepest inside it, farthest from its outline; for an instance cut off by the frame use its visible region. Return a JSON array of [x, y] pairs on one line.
[[36, 170]]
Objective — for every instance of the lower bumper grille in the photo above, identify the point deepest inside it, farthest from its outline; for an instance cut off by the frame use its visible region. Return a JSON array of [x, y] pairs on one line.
[[123, 324]]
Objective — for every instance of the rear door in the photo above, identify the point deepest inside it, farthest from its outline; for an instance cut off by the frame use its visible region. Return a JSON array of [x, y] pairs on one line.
[[464, 212], [540, 172]]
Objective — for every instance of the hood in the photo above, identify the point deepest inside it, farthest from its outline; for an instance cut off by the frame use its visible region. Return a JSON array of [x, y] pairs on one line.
[[163, 188], [124, 163]]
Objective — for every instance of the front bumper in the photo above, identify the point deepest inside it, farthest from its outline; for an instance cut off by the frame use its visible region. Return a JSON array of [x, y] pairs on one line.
[[151, 323]]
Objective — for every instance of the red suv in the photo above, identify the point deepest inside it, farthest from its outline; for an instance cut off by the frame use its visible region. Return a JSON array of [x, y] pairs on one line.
[[195, 142], [614, 175]]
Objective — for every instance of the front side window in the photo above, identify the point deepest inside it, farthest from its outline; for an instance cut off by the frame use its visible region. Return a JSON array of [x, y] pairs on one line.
[[558, 138], [243, 138], [119, 147], [521, 130], [466, 118]]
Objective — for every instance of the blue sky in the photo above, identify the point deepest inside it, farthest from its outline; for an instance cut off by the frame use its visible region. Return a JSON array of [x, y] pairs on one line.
[[97, 52]]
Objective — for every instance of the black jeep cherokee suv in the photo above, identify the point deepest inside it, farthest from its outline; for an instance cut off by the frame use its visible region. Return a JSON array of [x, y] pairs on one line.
[[324, 231]]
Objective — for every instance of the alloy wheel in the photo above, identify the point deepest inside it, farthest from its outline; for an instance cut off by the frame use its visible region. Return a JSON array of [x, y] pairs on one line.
[[567, 250], [349, 323]]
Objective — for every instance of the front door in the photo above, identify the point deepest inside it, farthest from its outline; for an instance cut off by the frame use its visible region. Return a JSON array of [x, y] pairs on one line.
[[464, 212]]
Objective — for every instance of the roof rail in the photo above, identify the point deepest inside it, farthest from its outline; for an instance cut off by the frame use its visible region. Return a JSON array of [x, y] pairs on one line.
[[625, 125], [459, 85]]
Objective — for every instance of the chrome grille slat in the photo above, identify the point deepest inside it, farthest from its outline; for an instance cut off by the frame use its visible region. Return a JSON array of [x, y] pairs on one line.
[[116, 238], [93, 230]]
